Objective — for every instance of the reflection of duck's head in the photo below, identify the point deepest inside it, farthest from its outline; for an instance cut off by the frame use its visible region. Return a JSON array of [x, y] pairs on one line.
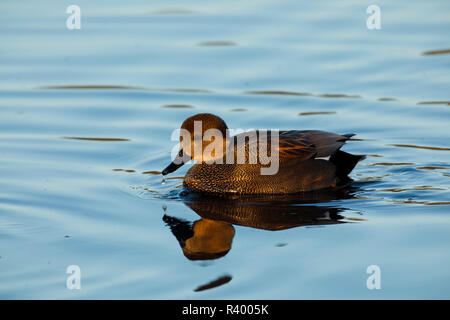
[[204, 239]]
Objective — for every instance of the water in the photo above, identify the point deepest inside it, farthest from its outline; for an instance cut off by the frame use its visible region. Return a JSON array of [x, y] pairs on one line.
[[86, 118]]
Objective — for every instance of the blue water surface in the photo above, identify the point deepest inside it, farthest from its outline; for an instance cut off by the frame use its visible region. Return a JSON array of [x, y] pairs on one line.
[[86, 118]]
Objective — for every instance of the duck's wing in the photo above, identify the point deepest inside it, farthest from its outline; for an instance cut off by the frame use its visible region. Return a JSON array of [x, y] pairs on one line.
[[307, 144], [296, 144], [292, 144], [326, 143]]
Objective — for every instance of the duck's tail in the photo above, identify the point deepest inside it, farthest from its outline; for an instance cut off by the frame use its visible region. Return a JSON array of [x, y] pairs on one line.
[[345, 162]]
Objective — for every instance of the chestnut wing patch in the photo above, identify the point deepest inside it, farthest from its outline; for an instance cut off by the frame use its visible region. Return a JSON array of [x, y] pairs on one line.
[[296, 144], [292, 144]]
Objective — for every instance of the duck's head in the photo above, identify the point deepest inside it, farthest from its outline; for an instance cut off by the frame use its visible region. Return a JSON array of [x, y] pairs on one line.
[[203, 137]]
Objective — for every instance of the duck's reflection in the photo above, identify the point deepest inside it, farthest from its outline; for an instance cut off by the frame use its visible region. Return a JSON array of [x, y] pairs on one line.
[[204, 239], [211, 236]]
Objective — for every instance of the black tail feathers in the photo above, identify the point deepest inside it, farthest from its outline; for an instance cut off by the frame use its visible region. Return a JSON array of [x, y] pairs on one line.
[[345, 162]]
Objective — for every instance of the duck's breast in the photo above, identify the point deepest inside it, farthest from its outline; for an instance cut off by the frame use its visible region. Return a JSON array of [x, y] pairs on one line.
[[292, 177]]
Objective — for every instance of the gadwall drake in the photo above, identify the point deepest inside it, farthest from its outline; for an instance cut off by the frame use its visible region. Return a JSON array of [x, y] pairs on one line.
[[294, 160]]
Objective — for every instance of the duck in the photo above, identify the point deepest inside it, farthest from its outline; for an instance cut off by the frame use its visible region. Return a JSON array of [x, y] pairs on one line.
[[260, 161]]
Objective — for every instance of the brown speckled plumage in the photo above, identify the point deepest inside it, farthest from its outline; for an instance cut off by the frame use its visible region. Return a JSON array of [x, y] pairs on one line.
[[293, 176]]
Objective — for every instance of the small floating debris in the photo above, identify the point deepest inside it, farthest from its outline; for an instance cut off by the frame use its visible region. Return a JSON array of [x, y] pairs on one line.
[[186, 90], [177, 106], [174, 178], [91, 87], [95, 139], [432, 168], [238, 110], [216, 43], [374, 155], [313, 113], [434, 102], [281, 244], [391, 164], [433, 52], [152, 172], [213, 284], [278, 92], [118, 87], [419, 147], [387, 99], [339, 95], [124, 170]]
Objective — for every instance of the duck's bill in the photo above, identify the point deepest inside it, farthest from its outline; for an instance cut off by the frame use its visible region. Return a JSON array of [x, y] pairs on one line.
[[175, 164], [171, 168]]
